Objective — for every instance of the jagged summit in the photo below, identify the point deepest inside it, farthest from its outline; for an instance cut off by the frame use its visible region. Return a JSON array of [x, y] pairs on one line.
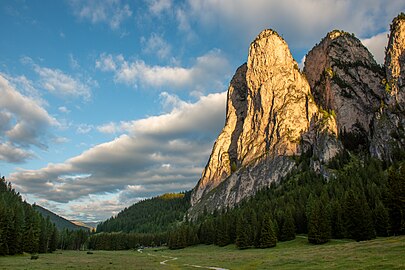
[[395, 62], [388, 136], [342, 100], [269, 108], [345, 79]]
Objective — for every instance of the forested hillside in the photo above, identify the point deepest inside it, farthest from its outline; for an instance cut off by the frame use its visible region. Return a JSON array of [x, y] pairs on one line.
[[363, 200], [153, 215], [60, 222], [22, 229]]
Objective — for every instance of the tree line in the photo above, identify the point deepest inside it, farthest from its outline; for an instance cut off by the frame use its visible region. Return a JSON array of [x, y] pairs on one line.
[[23, 229], [154, 215], [363, 200]]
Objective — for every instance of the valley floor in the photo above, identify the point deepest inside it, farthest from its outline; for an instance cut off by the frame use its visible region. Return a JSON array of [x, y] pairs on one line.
[[381, 253]]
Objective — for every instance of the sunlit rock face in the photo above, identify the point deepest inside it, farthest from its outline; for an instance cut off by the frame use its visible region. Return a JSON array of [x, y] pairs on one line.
[[342, 100], [395, 63], [388, 136], [269, 109]]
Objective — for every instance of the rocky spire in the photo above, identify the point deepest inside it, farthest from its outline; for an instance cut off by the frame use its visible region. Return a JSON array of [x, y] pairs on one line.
[[345, 80], [388, 136], [395, 62], [269, 108]]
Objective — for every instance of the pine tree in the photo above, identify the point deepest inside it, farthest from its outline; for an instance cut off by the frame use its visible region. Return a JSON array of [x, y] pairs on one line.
[[396, 185], [337, 220], [242, 235], [381, 219], [268, 236], [287, 232], [358, 219], [319, 228], [222, 238]]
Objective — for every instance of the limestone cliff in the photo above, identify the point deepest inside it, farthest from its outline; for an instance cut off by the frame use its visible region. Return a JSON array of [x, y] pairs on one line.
[[345, 80], [388, 138], [342, 99], [395, 63], [269, 109]]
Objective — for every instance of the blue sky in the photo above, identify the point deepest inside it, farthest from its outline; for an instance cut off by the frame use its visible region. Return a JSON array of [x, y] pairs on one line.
[[104, 103]]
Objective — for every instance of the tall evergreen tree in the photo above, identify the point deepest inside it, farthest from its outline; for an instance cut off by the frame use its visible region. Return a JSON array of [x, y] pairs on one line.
[[242, 234], [396, 185], [268, 236], [358, 219], [287, 232], [319, 228]]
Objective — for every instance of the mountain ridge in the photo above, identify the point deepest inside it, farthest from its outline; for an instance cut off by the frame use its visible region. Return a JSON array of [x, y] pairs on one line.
[[341, 100]]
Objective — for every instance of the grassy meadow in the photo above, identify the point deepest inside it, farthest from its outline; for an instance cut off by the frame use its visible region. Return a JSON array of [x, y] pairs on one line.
[[382, 253]]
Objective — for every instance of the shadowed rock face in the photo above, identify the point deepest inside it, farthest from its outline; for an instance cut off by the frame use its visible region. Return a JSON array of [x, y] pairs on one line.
[[269, 109], [274, 111], [345, 79]]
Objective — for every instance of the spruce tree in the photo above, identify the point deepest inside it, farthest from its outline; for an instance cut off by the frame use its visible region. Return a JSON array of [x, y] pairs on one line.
[[268, 236], [381, 219], [222, 238], [358, 219], [396, 185], [287, 232], [242, 235], [319, 228]]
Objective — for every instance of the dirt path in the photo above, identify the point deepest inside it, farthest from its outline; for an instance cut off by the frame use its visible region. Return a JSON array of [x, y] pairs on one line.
[[169, 258]]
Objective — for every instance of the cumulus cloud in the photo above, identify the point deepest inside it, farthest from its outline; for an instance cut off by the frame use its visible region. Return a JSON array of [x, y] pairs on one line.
[[111, 12], [208, 71], [302, 23], [153, 155], [23, 123], [376, 45]]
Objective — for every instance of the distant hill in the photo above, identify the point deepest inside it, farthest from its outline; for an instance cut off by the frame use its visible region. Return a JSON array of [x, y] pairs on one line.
[[157, 214], [60, 222]]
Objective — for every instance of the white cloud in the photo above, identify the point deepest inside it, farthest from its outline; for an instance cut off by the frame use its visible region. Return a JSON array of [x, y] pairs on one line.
[[110, 128], [301, 23], [156, 45], [73, 62], [12, 154], [63, 109], [106, 63], [112, 12], [23, 123], [156, 155], [59, 83], [208, 71], [158, 6], [84, 128], [26, 87], [376, 45]]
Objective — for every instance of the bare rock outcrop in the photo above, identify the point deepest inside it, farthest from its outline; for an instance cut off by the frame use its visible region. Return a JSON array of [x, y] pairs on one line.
[[395, 63], [346, 81], [270, 108], [388, 136], [342, 100]]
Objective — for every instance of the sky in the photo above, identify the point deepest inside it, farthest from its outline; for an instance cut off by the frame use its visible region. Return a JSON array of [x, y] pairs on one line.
[[105, 103]]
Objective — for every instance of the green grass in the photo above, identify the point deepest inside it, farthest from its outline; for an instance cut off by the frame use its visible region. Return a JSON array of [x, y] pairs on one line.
[[382, 253]]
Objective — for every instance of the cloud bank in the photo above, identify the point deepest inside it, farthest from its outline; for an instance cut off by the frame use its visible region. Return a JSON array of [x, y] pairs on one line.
[[158, 154], [23, 124]]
